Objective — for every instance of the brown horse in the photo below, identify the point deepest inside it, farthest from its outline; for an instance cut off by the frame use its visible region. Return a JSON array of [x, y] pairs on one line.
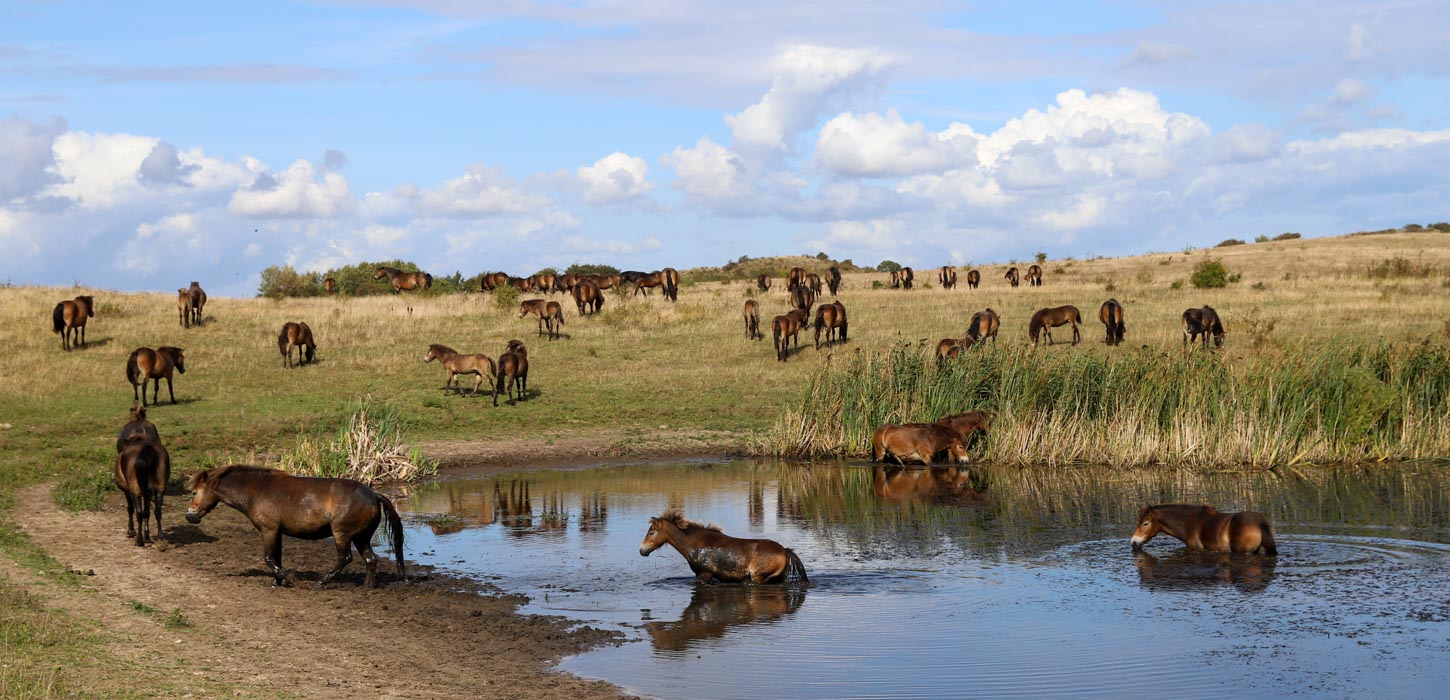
[[974, 278], [1111, 314], [947, 276], [795, 278], [513, 373], [713, 555], [309, 508], [1012, 276], [587, 297], [762, 283], [1034, 275], [456, 363], [329, 285], [752, 320], [565, 283], [544, 282], [948, 348], [550, 314], [404, 281], [784, 329], [183, 308], [919, 441], [896, 279], [69, 320], [984, 324], [833, 279], [142, 469], [493, 280], [672, 283], [803, 298], [1046, 319], [829, 318], [1202, 322], [907, 277], [813, 281], [145, 363], [1202, 527], [137, 426], [198, 303], [523, 284], [647, 281], [605, 281], [296, 335]]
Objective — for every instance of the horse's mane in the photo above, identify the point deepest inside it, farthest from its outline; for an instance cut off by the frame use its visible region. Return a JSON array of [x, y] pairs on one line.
[[1184, 508], [169, 350], [442, 349], [210, 476], [676, 517], [390, 270]]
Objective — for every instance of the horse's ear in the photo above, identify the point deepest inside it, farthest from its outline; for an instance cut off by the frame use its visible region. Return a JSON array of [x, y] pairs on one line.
[[197, 479]]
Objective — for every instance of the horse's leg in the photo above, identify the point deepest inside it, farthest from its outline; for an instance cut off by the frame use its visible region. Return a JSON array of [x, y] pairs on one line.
[[130, 513], [169, 389], [1076, 336], [344, 557], [272, 555], [476, 384], [83, 336], [143, 519], [703, 576], [155, 389], [365, 549], [160, 496]]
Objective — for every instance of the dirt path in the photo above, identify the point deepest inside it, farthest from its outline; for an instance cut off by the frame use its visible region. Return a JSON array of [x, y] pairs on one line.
[[439, 637]]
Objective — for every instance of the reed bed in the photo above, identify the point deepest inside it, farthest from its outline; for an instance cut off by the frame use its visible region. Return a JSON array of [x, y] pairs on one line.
[[1323, 403], [369, 448]]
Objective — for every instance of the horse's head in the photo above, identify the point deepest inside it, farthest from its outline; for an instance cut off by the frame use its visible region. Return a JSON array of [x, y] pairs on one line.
[[1147, 529], [435, 352], [138, 412], [90, 303], [380, 273], [654, 539], [957, 449], [178, 358], [203, 494], [517, 346]]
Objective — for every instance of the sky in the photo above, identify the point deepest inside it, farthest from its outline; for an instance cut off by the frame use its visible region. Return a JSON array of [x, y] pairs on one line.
[[145, 145]]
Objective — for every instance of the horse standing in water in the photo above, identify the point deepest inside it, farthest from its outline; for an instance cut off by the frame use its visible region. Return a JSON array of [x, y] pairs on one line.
[[1202, 322], [69, 320], [984, 324], [1046, 319], [1202, 527], [974, 278], [142, 469], [716, 556], [919, 441], [829, 318], [456, 363], [550, 314], [309, 508], [1012, 276], [752, 320], [296, 335], [947, 276], [1111, 314], [1034, 275], [145, 363], [404, 281], [833, 279], [513, 373]]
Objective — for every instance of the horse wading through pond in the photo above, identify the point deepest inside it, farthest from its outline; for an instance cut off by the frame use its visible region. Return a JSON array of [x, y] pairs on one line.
[[716, 556], [1202, 527]]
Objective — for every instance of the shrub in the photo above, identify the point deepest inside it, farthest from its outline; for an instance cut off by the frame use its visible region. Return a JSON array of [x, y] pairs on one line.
[[286, 281], [368, 448], [1176, 285], [1209, 274], [876, 284], [506, 297], [888, 266], [1229, 242], [822, 256], [591, 269], [1442, 227], [1041, 258], [1400, 267], [1288, 236], [1413, 227], [1261, 239]]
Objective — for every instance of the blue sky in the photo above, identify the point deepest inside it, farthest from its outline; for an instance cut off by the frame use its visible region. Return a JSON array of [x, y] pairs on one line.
[[197, 141]]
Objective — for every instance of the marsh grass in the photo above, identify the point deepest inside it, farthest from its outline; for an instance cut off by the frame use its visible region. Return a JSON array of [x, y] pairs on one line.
[[369, 448]]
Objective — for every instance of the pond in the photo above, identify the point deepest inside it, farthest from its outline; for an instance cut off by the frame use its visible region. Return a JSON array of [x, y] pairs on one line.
[[973, 582]]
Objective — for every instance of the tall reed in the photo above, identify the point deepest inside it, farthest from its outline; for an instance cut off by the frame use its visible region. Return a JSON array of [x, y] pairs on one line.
[[1298, 403], [369, 448]]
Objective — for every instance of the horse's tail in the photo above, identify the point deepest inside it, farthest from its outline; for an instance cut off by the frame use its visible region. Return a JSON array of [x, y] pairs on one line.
[[1035, 327], [282, 341], [775, 337], [395, 533], [559, 315], [794, 566], [57, 317], [133, 370], [427, 281]]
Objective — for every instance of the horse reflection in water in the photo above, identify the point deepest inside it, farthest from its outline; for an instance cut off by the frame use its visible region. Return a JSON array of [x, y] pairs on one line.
[[1189, 570], [715, 610], [942, 486]]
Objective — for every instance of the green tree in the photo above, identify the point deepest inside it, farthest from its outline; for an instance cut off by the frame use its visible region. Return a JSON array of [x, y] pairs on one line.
[[1209, 274], [1041, 258], [591, 269], [888, 266], [286, 281]]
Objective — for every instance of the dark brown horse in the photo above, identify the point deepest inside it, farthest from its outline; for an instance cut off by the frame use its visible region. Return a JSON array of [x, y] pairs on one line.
[[198, 304], [647, 281], [309, 508], [1012, 276], [69, 320], [605, 281], [1202, 322], [896, 279], [762, 283], [918, 441], [543, 282], [456, 363], [494, 280], [523, 284], [296, 335], [984, 324], [752, 320], [713, 555], [145, 363], [833, 279], [947, 276], [587, 297], [1202, 527], [550, 314], [974, 278], [672, 283], [142, 469], [1034, 275], [829, 318], [786, 328], [329, 285], [404, 281], [565, 283], [795, 278], [948, 348], [803, 298], [138, 425], [907, 277], [1111, 314], [1045, 320], [813, 281], [513, 373]]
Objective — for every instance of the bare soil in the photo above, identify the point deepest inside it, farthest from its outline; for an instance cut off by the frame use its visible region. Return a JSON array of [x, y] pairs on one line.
[[582, 450], [437, 636]]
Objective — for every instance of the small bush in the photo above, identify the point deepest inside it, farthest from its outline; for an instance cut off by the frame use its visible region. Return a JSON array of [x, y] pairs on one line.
[[286, 281], [1041, 258], [591, 269], [822, 256], [175, 620], [1400, 267], [1291, 236], [1229, 242], [1259, 286], [1209, 274], [506, 297], [1442, 227], [888, 266], [1144, 277], [369, 448], [1261, 239], [876, 284], [1176, 285], [1413, 227]]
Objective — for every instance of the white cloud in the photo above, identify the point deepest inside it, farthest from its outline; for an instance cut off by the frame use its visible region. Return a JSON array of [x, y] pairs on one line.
[[875, 145], [809, 80], [617, 177], [26, 155], [709, 171], [482, 191], [1086, 211], [171, 237], [297, 192]]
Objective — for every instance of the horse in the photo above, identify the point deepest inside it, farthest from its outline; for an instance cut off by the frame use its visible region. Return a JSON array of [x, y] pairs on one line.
[[919, 441], [587, 296], [69, 320], [752, 320], [456, 363], [137, 426], [309, 508], [329, 285], [198, 303], [984, 324], [605, 281], [565, 283], [948, 348], [803, 298], [513, 373], [493, 280], [1046, 319], [1111, 314], [813, 281], [1202, 322], [523, 284], [296, 335], [145, 363], [784, 329], [1202, 527], [896, 279], [1012, 276], [829, 318], [833, 279], [795, 278], [550, 313], [672, 283], [714, 555], [762, 283], [947, 276], [1034, 275], [183, 308], [404, 281], [544, 282], [647, 281], [907, 276], [974, 278], [142, 469]]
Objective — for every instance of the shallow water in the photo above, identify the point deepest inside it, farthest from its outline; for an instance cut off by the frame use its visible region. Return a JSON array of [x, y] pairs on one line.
[[974, 582]]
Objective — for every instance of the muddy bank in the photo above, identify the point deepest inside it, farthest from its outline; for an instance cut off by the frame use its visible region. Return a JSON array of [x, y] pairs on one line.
[[439, 636], [583, 450]]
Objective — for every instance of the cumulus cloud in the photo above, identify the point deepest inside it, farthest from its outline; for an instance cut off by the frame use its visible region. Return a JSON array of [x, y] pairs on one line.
[[876, 145], [163, 166], [26, 156], [809, 81], [615, 178], [482, 191], [300, 191]]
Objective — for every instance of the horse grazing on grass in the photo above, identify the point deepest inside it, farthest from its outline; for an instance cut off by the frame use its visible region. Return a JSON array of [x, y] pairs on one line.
[[813, 281], [948, 348], [1202, 527], [803, 298], [565, 283], [137, 426], [1012, 276], [513, 373], [198, 303], [918, 441], [714, 555], [404, 281], [543, 282], [1046, 319], [786, 328], [550, 314], [1034, 275], [833, 279], [69, 320], [947, 276], [309, 508], [329, 285], [147, 364], [752, 320], [456, 363], [1111, 314], [142, 469], [588, 297], [606, 281], [795, 278], [672, 283], [296, 335], [907, 277], [646, 281], [1202, 322], [762, 283], [974, 278], [984, 324], [896, 279], [494, 280], [829, 318]]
